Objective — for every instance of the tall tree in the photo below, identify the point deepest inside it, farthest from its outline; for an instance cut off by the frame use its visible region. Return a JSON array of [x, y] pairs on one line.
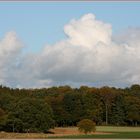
[[117, 116], [132, 105], [107, 96], [30, 115]]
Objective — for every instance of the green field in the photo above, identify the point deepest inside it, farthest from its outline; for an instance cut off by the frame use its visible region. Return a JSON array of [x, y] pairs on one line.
[[117, 129], [114, 132], [102, 132], [121, 135]]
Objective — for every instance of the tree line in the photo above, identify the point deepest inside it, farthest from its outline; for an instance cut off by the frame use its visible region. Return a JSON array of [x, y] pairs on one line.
[[38, 110]]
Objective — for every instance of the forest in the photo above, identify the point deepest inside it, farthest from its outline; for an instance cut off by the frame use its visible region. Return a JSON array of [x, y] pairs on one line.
[[38, 110]]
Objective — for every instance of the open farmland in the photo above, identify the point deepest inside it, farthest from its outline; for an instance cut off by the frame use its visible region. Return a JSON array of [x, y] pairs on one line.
[[105, 132], [72, 132]]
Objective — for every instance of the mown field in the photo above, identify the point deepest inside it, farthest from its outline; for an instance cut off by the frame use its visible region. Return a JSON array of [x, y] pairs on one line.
[[108, 132], [72, 132]]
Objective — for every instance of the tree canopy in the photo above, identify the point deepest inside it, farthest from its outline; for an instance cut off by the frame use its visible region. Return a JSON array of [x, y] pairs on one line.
[[37, 110], [86, 126]]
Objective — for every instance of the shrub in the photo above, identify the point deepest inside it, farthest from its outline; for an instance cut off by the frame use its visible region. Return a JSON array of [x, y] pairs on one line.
[[86, 126]]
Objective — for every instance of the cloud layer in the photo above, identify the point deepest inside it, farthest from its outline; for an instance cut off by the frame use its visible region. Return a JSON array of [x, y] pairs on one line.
[[89, 55]]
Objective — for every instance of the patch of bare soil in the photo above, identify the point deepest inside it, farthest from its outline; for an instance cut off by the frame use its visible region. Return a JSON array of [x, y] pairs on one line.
[[64, 131], [58, 131]]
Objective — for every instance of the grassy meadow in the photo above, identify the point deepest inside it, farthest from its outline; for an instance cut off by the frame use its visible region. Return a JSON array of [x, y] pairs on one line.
[[109, 132], [72, 132]]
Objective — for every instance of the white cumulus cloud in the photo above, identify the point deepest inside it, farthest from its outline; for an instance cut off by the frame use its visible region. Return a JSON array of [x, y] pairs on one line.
[[89, 55], [10, 50]]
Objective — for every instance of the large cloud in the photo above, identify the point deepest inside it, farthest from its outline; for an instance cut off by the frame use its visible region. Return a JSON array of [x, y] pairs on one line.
[[89, 55], [10, 49]]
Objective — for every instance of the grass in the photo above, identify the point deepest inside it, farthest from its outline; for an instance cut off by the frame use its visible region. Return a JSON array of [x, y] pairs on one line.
[[112, 132], [5, 135], [117, 129], [120, 135]]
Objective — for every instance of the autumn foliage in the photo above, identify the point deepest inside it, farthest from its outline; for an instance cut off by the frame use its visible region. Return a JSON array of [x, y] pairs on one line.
[[38, 110], [86, 126]]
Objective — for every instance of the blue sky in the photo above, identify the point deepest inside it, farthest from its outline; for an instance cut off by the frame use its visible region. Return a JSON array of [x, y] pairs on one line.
[[84, 52], [38, 23]]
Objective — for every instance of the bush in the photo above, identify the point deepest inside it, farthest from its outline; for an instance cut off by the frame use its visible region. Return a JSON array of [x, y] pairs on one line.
[[86, 126]]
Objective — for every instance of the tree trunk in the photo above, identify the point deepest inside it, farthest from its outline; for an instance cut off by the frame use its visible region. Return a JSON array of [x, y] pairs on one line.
[[106, 114], [136, 123], [14, 126]]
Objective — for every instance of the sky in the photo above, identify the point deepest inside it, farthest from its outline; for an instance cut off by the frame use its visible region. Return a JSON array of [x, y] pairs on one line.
[[45, 44]]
